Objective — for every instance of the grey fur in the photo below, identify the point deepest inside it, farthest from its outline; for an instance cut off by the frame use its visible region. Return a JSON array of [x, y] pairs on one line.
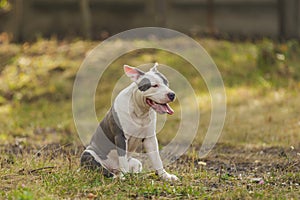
[[108, 136], [165, 81], [88, 161], [144, 84]]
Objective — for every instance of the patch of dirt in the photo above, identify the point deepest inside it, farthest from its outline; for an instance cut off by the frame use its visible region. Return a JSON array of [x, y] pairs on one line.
[[50, 151], [255, 160]]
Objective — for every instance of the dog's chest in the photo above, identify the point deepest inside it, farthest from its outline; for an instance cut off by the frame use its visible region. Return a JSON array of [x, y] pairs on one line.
[[132, 124]]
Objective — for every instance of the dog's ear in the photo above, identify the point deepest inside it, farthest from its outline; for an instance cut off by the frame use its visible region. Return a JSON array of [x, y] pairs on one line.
[[133, 73], [154, 68]]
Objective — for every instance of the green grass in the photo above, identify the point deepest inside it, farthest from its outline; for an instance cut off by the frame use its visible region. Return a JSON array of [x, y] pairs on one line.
[[40, 148], [53, 174]]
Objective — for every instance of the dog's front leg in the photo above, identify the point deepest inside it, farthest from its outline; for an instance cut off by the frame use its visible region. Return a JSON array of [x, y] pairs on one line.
[[151, 147], [120, 142]]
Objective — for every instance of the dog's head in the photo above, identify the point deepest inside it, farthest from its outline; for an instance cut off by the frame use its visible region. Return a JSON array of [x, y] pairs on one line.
[[154, 86]]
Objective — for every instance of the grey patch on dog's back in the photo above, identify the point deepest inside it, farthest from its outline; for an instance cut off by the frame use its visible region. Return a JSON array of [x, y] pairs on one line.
[[109, 135], [144, 84], [165, 81]]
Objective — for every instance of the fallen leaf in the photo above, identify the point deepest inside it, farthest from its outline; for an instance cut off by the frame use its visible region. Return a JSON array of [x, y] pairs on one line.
[[91, 196]]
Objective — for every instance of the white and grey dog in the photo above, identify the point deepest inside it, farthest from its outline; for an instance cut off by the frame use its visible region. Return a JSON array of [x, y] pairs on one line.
[[131, 121]]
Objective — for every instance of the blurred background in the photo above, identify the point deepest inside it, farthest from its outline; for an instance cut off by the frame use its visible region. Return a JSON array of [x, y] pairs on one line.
[[97, 19], [254, 43]]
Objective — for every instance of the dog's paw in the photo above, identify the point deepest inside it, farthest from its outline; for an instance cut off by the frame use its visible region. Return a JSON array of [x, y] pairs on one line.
[[169, 177], [120, 176]]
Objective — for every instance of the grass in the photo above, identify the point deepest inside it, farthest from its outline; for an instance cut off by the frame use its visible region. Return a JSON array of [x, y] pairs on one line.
[[54, 174], [40, 148]]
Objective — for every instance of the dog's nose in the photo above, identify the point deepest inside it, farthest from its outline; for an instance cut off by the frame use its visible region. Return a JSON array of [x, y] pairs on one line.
[[171, 96]]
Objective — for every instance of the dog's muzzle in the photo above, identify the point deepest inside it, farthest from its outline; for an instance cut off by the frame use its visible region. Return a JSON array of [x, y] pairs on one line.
[[160, 108]]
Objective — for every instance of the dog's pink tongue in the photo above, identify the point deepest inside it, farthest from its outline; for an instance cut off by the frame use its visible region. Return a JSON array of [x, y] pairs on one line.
[[168, 109]]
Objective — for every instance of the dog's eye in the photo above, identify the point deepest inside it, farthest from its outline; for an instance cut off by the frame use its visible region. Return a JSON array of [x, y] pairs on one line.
[[155, 86]]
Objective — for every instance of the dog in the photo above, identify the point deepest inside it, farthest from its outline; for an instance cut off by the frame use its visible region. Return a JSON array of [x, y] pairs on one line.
[[131, 121]]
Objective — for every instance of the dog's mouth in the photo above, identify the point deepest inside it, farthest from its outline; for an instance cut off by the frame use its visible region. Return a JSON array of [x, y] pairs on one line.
[[160, 108]]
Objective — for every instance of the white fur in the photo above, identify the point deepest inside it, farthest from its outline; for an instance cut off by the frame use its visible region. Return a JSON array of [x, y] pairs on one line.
[[138, 121]]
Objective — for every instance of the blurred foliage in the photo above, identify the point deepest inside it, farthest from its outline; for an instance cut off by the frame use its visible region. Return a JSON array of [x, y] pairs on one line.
[[46, 68], [36, 81], [280, 59], [5, 5]]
